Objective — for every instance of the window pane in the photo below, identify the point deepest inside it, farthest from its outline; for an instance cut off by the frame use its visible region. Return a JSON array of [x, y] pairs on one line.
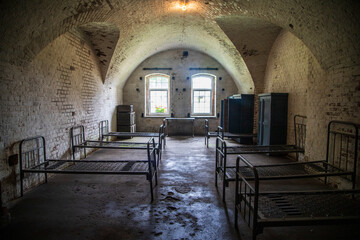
[[202, 101], [202, 82], [158, 101], [158, 82]]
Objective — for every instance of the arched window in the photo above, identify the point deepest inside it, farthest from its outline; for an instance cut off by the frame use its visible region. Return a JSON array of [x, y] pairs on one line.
[[203, 95], [157, 99]]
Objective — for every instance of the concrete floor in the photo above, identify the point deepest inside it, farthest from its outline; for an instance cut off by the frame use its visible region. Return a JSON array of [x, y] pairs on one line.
[[187, 204]]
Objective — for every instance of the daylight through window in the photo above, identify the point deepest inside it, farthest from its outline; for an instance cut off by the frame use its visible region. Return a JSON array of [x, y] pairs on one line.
[[203, 95], [157, 91]]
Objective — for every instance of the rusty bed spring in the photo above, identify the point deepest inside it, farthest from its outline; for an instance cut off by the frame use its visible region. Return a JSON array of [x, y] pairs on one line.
[[32, 153], [309, 204], [302, 207], [228, 172], [105, 133], [78, 141], [221, 133], [291, 170]]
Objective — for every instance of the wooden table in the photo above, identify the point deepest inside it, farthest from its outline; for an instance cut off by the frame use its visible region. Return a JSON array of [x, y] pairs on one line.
[[169, 120]]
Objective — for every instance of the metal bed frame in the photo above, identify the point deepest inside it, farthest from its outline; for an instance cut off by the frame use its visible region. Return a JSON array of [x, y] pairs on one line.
[[104, 133], [32, 154], [222, 150], [293, 208], [78, 141], [341, 160], [209, 134]]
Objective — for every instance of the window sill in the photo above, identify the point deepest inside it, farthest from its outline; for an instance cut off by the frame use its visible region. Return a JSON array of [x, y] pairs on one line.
[[164, 116], [211, 117]]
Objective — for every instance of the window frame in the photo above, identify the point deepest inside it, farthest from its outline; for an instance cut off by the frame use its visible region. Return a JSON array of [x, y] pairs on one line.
[[212, 95], [148, 95]]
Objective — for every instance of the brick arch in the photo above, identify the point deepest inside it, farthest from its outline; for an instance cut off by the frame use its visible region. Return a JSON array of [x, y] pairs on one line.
[[45, 37], [327, 28]]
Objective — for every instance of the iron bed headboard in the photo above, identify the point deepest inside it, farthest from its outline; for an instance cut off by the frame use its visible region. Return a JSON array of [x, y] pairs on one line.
[[32, 155], [247, 197], [342, 146], [206, 129], [32, 152], [300, 130], [103, 128], [77, 136]]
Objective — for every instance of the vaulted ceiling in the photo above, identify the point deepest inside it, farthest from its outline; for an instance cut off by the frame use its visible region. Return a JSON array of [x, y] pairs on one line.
[[239, 34]]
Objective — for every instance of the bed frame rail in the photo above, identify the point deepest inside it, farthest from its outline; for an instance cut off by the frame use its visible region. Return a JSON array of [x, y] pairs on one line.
[[291, 208], [33, 160], [222, 151], [104, 130]]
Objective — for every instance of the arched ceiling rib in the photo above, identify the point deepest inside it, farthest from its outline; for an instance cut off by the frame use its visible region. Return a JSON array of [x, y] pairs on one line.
[[328, 27], [103, 38], [172, 32], [253, 38]]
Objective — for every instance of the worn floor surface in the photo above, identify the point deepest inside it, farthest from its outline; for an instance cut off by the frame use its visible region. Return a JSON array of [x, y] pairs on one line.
[[187, 204]]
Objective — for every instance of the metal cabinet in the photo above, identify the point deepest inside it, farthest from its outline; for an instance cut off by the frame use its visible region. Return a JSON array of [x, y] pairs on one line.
[[241, 116], [125, 117], [272, 122]]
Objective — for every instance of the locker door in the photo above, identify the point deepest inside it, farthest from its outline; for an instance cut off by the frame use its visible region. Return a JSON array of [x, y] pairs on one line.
[[264, 121]]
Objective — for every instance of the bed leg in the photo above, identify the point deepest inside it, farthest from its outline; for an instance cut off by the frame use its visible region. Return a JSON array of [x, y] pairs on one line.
[[216, 167], [216, 176], [156, 180], [73, 153], [224, 186], [21, 185], [253, 236], [151, 189], [236, 217], [45, 177]]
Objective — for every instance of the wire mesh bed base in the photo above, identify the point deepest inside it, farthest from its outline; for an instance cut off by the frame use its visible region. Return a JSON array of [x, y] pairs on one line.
[[227, 173], [291, 170], [110, 145], [222, 134], [290, 206], [276, 209], [79, 142], [130, 134], [104, 133], [32, 154], [116, 167], [296, 208], [273, 149]]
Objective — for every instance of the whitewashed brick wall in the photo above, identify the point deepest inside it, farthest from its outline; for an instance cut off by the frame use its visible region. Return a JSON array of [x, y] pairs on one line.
[[60, 88]]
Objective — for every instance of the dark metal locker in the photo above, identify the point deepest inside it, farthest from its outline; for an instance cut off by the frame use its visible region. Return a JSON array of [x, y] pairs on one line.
[[272, 121], [241, 116]]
